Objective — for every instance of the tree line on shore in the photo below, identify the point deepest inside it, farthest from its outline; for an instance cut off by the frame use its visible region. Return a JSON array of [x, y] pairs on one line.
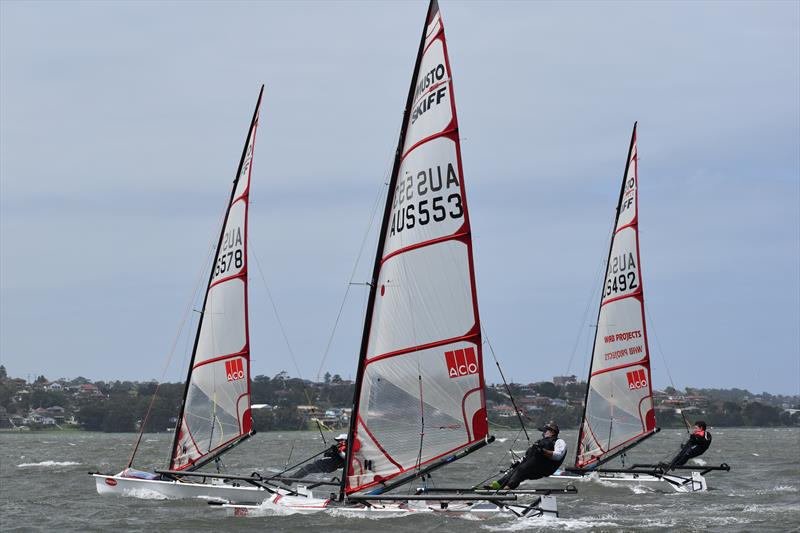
[[122, 406]]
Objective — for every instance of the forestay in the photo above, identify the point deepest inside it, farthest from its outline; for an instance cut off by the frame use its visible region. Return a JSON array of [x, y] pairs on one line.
[[216, 408], [420, 381], [619, 406]]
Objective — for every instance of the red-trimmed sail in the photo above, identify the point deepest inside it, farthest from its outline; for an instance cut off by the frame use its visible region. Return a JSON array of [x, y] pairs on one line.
[[216, 408], [420, 389], [619, 402]]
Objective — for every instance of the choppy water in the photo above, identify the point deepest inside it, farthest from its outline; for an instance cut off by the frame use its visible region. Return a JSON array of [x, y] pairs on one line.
[[44, 486]]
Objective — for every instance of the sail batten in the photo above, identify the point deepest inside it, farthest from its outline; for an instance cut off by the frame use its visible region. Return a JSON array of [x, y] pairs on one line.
[[215, 413], [618, 411], [419, 388]]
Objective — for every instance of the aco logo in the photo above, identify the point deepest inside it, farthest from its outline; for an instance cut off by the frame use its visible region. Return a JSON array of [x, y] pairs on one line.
[[234, 370], [461, 362], [636, 379]]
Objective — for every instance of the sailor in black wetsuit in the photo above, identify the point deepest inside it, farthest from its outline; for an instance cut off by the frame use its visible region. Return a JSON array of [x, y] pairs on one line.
[[332, 459], [541, 460], [698, 443]]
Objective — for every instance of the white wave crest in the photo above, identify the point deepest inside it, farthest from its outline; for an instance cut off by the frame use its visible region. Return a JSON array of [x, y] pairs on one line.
[[47, 464], [145, 494], [758, 508], [548, 523], [368, 514], [699, 461]]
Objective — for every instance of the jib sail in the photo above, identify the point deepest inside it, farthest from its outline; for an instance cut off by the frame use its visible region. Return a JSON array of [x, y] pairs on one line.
[[216, 407], [619, 404], [420, 387]]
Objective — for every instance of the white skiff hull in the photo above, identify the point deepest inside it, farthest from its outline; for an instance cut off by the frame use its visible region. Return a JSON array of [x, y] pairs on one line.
[[279, 504], [176, 490], [692, 483]]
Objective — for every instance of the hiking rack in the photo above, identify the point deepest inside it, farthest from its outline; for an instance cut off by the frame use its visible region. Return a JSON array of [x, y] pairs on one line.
[[434, 497], [547, 491], [253, 479]]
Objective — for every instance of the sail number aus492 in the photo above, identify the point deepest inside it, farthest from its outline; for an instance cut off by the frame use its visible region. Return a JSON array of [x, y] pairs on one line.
[[622, 275]]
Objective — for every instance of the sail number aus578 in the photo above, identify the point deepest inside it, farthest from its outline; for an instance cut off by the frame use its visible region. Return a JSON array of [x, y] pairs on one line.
[[231, 254], [226, 260]]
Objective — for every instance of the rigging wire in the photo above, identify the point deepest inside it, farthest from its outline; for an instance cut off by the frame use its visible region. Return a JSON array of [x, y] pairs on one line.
[[175, 341], [373, 211], [508, 390], [664, 360], [589, 300], [283, 333], [391, 152], [598, 276]]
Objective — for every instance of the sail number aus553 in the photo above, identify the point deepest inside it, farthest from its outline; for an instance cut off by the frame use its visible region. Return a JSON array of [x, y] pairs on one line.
[[426, 196], [436, 209]]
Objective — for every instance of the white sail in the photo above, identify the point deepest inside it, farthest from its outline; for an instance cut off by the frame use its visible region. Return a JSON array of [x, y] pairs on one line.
[[619, 404], [216, 408], [420, 384]]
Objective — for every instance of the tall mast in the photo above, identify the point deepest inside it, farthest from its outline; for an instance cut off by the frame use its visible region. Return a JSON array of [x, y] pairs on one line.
[[433, 6], [419, 395], [625, 367], [248, 147]]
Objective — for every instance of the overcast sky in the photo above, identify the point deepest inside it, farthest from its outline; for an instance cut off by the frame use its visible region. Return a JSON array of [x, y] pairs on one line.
[[122, 124]]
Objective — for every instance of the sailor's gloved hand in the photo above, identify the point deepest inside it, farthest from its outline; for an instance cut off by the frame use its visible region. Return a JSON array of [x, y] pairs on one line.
[[515, 463]]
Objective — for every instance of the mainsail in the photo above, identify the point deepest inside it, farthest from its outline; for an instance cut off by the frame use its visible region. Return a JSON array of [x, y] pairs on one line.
[[619, 401], [216, 408], [420, 387]]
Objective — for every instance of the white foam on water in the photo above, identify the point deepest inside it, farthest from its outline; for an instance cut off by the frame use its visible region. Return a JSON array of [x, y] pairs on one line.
[[785, 488], [267, 508], [365, 514], [595, 478], [758, 508], [699, 461], [72, 444], [755, 455], [145, 494], [501, 439], [549, 523], [47, 464], [639, 489]]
